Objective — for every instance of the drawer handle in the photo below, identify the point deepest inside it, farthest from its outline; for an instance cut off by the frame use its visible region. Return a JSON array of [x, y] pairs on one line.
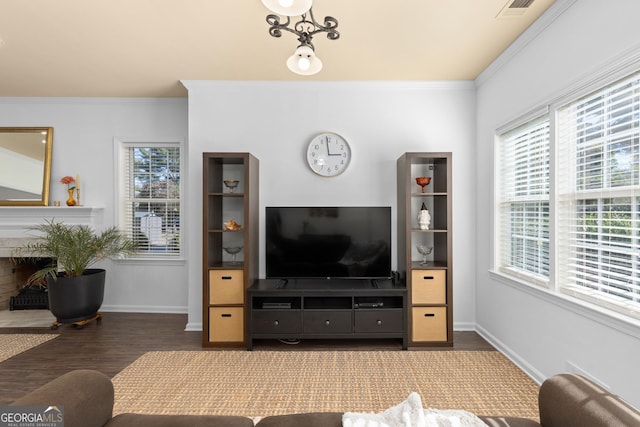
[[225, 315], [379, 322], [327, 322], [428, 277], [276, 322], [429, 315], [227, 277]]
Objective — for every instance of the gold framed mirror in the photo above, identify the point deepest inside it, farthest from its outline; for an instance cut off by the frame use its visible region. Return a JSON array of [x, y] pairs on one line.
[[25, 165]]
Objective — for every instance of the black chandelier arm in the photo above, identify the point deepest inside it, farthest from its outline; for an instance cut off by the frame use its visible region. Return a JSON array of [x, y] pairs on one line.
[[275, 27], [304, 29], [330, 26]]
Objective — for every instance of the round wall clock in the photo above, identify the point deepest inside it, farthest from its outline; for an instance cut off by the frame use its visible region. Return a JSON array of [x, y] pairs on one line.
[[328, 154]]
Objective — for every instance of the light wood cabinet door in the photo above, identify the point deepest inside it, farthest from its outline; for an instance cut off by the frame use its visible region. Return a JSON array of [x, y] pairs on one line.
[[226, 324], [429, 324], [226, 287], [428, 287]]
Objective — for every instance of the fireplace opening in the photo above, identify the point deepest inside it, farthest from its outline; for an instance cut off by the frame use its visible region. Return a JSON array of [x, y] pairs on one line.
[[16, 293]]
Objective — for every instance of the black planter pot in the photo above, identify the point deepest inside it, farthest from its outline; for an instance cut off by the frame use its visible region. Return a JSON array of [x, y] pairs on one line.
[[73, 299]]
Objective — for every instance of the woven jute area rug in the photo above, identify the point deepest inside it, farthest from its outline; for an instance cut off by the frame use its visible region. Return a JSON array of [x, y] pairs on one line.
[[261, 383], [13, 344]]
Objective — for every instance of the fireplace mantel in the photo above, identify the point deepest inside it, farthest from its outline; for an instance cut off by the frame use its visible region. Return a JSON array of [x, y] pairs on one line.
[[16, 221]]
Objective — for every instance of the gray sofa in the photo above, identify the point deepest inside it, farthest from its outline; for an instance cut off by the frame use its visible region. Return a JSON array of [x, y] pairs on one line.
[[565, 400]]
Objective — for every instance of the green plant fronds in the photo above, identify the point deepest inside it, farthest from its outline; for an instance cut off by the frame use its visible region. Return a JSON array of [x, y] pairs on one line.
[[74, 248]]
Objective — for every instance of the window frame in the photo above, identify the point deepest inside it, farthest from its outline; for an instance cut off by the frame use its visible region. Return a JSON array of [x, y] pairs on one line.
[[554, 291], [120, 146], [503, 244], [576, 190]]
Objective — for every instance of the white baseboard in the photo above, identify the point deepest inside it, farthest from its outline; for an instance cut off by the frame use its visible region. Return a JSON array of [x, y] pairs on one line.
[[528, 369], [193, 327], [464, 326], [575, 369], [143, 309]]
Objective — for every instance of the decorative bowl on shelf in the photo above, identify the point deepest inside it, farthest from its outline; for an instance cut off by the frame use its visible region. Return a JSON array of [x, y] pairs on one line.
[[231, 184], [425, 251], [232, 225], [423, 181], [233, 251]]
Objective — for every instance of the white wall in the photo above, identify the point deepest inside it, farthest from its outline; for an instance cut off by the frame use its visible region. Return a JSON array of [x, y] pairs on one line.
[[541, 332], [83, 143], [275, 121]]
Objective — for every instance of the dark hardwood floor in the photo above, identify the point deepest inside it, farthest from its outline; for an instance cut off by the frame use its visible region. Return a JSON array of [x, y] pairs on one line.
[[120, 338]]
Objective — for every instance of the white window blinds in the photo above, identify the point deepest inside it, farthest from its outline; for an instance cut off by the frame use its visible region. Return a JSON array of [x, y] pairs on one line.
[[150, 210], [599, 197], [523, 199]]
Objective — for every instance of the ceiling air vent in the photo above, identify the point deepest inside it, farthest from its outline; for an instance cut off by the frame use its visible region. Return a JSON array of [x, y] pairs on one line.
[[520, 4], [514, 8]]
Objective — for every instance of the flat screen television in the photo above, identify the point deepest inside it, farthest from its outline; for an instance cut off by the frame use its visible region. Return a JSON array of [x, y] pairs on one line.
[[328, 242]]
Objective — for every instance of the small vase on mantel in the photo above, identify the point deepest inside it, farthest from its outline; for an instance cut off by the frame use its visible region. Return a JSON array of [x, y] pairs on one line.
[[71, 201]]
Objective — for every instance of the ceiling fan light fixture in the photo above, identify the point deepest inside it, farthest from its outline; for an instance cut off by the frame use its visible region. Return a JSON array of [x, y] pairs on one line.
[[304, 61], [288, 7]]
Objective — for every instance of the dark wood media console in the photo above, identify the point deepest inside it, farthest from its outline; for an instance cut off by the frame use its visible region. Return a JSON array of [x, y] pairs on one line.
[[326, 309]]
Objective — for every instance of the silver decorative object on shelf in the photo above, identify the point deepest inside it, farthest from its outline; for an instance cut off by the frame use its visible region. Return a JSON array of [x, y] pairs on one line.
[[233, 251], [425, 251], [231, 184]]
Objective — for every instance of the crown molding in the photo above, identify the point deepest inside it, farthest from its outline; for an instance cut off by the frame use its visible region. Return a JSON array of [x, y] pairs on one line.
[[530, 34], [356, 84]]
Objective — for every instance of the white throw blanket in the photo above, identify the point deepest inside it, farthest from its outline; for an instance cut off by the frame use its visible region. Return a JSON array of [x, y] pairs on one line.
[[410, 413]]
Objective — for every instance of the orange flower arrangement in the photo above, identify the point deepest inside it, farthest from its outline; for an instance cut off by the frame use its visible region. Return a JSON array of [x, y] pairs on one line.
[[68, 180]]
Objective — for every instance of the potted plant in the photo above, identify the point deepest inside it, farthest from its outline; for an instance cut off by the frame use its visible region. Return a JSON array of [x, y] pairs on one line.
[[75, 290]]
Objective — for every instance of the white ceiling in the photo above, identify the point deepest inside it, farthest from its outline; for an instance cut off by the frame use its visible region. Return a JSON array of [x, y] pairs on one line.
[[143, 48]]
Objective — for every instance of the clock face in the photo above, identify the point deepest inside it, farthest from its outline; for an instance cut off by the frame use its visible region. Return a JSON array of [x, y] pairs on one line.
[[328, 154]]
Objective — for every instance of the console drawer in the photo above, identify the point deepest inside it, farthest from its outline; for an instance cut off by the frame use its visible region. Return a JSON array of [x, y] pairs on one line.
[[378, 320], [428, 287], [327, 321], [276, 321], [226, 287]]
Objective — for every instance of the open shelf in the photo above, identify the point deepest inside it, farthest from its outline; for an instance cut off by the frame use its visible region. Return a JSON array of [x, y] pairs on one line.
[[430, 322], [225, 280]]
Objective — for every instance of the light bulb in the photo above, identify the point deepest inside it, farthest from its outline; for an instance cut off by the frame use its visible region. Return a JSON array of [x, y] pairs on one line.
[[304, 61], [288, 7]]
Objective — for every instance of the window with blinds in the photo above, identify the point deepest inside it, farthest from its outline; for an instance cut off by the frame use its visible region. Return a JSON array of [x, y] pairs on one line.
[[150, 199], [523, 201], [599, 196]]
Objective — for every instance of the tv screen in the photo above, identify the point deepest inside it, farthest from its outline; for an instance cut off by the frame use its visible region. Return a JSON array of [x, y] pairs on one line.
[[328, 242]]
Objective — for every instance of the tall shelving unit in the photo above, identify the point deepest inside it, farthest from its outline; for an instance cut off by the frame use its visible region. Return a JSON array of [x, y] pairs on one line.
[[430, 283], [224, 281]]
